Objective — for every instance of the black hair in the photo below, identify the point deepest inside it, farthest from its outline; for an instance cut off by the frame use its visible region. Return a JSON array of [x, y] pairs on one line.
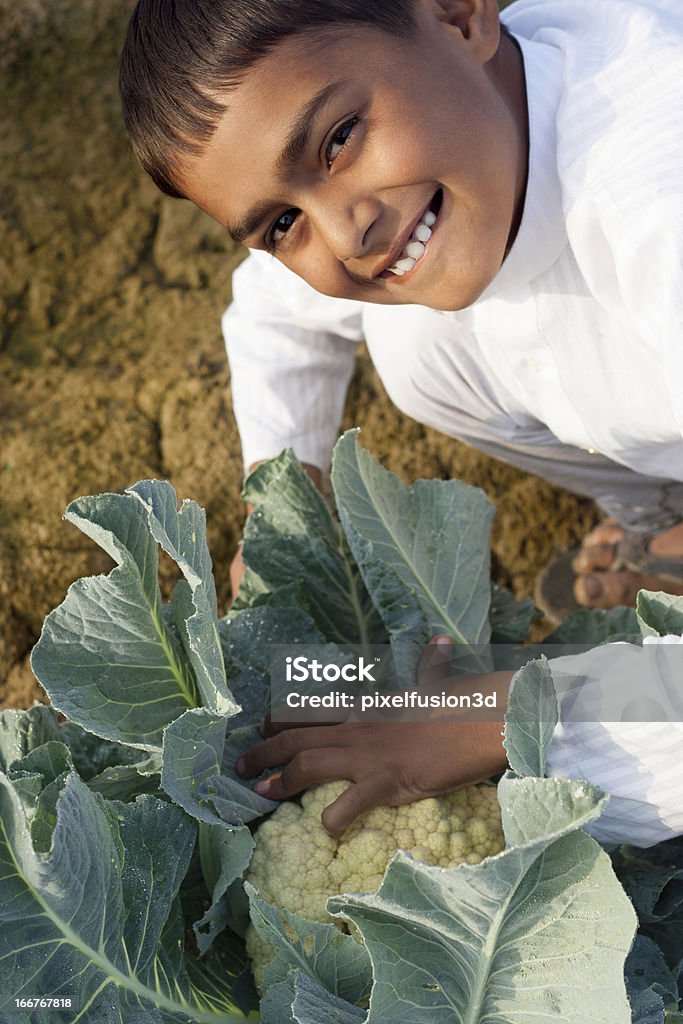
[[178, 52]]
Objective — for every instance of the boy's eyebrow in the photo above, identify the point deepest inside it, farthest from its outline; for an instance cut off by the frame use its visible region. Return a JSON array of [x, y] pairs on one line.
[[300, 131], [295, 144], [248, 224]]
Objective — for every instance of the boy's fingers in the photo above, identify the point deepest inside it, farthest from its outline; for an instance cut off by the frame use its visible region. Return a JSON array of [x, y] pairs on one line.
[[309, 768], [435, 659], [318, 716], [285, 746], [272, 752], [362, 796]]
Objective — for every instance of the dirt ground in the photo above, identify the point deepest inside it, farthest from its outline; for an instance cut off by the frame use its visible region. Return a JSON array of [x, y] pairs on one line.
[[112, 366]]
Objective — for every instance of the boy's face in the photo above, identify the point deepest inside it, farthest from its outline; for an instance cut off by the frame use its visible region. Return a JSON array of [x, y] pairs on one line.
[[339, 152]]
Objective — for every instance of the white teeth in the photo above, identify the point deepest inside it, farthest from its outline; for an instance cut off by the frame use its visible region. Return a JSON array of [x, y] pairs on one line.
[[415, 249], [406, 264]]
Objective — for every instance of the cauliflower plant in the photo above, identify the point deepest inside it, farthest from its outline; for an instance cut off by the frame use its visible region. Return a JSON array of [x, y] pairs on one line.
[[297, 866]]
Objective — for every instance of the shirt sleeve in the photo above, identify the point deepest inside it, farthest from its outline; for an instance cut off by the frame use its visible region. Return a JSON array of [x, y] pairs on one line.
[[291, 353], [621, 728]]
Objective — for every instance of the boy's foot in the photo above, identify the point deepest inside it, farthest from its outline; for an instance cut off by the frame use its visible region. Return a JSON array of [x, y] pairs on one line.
[[598, 587], [609, 569]]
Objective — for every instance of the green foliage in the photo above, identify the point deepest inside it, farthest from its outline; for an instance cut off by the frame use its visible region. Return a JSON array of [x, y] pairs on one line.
[[516, 937], [110, 936], [125, 830], [292, 519], [333, 959], [590, 627], [530, 719], [661, 614], [109, 657], [430, 540]]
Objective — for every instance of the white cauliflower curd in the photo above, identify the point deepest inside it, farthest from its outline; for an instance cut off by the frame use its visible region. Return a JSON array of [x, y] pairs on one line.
[[297, 866]]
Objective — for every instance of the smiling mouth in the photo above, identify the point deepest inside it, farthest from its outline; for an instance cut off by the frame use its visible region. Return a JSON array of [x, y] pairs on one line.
[[416, 246]]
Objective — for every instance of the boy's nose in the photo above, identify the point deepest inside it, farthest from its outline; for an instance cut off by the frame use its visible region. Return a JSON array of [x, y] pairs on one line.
[[347, 226]]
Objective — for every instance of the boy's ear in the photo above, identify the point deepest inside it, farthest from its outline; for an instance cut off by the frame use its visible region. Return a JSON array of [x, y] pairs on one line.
[[477, 21]]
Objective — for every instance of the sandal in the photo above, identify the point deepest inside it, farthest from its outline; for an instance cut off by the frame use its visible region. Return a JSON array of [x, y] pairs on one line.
[[554, 590]]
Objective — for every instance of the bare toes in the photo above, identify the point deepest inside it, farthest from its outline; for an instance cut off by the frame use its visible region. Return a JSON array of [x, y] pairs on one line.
[[607, 589], [595, 556], [608, 532]]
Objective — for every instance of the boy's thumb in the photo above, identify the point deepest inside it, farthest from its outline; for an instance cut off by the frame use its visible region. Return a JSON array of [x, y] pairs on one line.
[[435, 656]]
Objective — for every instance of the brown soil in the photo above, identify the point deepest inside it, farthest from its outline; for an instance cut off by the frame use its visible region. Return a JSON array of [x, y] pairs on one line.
[[112, 365]]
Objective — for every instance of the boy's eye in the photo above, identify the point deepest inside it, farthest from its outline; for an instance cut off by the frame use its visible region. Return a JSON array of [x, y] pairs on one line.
[[281, 226], [286, 220], [339, 139]]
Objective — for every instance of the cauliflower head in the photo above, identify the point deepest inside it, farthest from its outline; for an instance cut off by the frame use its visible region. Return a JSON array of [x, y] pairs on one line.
[[297, 866]]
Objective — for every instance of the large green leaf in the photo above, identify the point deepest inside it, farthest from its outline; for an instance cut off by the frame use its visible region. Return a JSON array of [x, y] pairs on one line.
[[646, 967], [276, 1003], [225, 854], [537, 934], [302, 1000], [531, 718], [535, 808], [336, 961], [662, 613], [653, 879], [115, 770], [433, 536], [38, 780], [124, 782], [255, 593], [403, 615], [105, 656], [199, 770], [290, 538], [247, 637], [24, 730], [108, 657], [181, 532], [96, 918], [313, 1004]]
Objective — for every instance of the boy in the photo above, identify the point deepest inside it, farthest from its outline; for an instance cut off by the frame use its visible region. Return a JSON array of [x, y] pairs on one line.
[[497, 212], [545, 312]]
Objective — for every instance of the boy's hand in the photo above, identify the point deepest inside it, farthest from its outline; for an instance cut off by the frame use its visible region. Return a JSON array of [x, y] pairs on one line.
[[388, 763]]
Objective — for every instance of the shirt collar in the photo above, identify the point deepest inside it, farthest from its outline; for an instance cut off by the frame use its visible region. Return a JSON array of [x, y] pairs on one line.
[[542, 234]]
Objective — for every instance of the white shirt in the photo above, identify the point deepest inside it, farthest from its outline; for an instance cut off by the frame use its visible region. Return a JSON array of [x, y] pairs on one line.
[[571, 362], [621, 727]]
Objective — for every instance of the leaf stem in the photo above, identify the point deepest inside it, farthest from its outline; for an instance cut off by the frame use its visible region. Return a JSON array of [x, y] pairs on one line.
[[185, 684], [354, 580]]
